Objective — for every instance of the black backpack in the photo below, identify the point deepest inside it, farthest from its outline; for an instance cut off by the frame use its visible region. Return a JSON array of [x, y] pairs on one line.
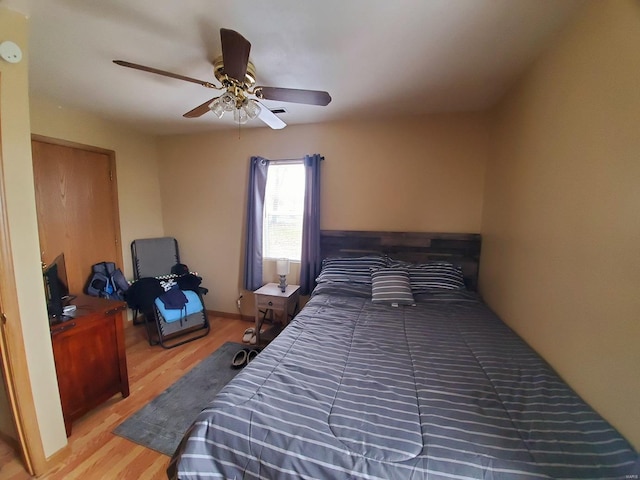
[[107, 281]]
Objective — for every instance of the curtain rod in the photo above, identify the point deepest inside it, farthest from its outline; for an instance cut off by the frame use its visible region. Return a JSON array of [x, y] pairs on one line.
[[289, 160]]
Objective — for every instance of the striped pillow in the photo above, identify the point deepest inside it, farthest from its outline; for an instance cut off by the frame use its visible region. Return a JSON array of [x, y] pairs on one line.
[[350, 269], [391, 286], [436, 275]]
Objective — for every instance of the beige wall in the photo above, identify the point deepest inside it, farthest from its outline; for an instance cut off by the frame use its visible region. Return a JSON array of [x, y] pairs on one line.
[[139, 201], [136, 165], [21, 209], [561, 223], [412, 174], [560, 201]]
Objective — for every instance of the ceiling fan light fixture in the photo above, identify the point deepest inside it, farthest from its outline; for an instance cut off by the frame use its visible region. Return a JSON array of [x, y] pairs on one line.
[[252, 108], [217, 108], [228, 102], [240, 115]]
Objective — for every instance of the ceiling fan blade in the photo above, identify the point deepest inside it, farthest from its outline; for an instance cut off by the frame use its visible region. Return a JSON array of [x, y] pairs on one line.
[[199, 110], [309, 97], [270, 118], [164, 74], [235, 54]]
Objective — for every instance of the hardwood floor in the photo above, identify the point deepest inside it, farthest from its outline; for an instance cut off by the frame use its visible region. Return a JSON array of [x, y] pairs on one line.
[[96, 453]]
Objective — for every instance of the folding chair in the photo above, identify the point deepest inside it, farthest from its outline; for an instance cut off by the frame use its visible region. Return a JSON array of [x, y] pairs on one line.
[[154, 258]]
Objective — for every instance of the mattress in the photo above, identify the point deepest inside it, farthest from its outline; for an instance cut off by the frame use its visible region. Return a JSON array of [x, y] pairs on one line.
[[439, 390]]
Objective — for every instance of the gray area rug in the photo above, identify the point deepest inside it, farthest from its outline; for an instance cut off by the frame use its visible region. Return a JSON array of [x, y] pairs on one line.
[[161, 424]]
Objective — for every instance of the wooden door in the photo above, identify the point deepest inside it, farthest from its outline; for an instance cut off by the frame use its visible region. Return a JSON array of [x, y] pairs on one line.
[[11, 402], [77, 207], [21, 410]]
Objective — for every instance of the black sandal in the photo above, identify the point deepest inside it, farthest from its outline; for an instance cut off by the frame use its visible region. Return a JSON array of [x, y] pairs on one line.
[[240, 358], [252, 354]]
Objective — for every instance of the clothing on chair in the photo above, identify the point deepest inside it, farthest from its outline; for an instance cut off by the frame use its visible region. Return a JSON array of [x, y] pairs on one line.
[[180, 269], [173, 299], [170, 315], [142, 293], [189, 282]]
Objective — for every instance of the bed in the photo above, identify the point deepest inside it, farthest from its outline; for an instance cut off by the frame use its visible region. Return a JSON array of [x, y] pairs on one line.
[[368, 383]]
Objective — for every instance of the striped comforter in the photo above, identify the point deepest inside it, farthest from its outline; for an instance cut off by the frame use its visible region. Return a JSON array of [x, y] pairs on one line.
[[440, 390]]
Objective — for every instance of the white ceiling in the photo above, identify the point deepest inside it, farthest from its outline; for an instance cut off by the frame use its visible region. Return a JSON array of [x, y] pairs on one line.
[[375, 57]]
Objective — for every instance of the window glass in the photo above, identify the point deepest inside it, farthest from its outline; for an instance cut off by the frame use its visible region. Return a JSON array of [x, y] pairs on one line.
[[283, 209]]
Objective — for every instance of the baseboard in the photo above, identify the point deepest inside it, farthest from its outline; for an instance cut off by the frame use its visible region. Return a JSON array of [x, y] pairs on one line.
[[57, 458], [235, 316], [42, 466]]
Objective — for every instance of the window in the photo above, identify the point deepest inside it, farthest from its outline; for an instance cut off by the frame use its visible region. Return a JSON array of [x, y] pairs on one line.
[[283, 210]]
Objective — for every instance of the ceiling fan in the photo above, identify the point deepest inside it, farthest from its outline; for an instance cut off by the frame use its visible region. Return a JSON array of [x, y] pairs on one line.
[[237, 76]]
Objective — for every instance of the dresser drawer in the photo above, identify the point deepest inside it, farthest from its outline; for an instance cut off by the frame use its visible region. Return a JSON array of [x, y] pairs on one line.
[[274, 303]]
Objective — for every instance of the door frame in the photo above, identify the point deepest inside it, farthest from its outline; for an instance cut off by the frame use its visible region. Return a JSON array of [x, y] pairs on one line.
[[14, 358]]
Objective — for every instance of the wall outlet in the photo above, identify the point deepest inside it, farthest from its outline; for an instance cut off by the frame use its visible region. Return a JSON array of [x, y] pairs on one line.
[[238, 303]]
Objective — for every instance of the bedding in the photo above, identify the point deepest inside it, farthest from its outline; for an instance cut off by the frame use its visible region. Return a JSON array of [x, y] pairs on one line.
[[362, 390]]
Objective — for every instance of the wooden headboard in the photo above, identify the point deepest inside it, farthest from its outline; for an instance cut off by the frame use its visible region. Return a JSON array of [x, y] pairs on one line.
[[459, 248]]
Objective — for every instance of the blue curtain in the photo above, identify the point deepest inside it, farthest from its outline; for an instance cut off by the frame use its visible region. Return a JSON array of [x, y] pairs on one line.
[[311, 261], [255, 206]]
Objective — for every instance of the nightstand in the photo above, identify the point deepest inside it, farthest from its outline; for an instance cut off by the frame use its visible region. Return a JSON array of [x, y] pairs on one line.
[[270, 299]]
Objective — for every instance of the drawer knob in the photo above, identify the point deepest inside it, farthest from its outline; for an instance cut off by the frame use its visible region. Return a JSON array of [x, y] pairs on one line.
[[270, 303]]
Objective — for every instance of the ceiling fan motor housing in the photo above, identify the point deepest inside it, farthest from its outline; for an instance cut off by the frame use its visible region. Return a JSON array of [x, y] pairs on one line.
[[225, 80]]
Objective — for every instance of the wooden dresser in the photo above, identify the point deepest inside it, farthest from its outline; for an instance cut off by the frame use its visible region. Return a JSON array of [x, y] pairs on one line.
[[89, 354]]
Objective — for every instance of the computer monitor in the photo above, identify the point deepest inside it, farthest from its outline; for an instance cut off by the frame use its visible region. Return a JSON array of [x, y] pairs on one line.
[[56, 287]]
